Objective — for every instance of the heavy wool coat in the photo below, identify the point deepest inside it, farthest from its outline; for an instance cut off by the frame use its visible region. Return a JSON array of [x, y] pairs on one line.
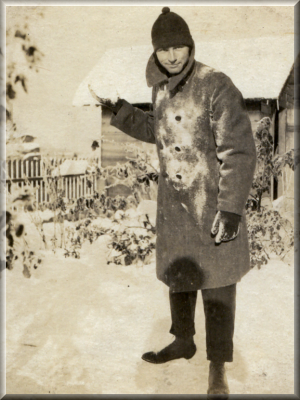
[[207, 160]]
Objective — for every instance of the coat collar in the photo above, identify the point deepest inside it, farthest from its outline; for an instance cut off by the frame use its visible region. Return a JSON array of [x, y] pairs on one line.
[[156, 74]]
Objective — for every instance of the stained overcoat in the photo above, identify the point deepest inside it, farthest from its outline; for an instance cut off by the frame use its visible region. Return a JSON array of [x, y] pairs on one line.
[[207, 160]]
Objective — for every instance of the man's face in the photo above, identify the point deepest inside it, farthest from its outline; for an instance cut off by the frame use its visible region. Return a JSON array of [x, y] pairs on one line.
[[173, 59]]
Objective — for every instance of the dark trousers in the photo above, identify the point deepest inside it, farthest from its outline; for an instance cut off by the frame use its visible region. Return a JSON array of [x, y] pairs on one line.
[[219, 310]]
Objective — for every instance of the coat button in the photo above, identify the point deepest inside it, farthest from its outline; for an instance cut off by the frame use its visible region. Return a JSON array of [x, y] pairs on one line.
[[178, 176], [177, 148], [178, 118]]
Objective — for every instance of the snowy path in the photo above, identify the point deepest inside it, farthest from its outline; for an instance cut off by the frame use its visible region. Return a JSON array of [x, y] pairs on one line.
[[81, 326]]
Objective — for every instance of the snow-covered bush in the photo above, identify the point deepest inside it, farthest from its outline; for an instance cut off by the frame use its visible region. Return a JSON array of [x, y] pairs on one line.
[[17, 244], [268, 232], [131, 232], [133, 244]]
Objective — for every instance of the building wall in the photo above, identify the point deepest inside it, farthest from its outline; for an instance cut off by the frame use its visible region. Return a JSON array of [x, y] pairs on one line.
[[286, 143], [286, 128], [115, 142], [115, 148]]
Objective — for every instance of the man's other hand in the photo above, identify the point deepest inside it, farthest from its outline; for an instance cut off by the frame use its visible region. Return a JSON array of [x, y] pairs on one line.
[[225, 226]]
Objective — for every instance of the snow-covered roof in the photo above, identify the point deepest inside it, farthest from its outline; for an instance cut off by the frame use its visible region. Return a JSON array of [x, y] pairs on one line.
[[257, 66], [27, 138], [71, 167], [15, 150]]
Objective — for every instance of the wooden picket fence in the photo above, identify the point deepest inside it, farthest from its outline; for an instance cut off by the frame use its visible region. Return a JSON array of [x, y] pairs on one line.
[[33, 173]]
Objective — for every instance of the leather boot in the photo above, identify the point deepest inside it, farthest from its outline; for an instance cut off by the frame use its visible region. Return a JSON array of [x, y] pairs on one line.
[[217, 381], [180, 348]]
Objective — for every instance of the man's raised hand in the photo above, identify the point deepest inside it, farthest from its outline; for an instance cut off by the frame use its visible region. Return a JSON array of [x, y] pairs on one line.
[[113, 106]]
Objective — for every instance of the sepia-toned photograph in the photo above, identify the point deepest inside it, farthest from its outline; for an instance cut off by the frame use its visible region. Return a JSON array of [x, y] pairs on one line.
[[147, 175]]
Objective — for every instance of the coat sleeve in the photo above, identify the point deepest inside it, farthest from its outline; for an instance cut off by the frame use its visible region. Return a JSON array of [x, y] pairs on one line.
[[135, 122], [235, 146]]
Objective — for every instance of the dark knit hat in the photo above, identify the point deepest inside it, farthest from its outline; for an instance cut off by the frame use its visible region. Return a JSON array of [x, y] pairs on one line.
[[170, 30]]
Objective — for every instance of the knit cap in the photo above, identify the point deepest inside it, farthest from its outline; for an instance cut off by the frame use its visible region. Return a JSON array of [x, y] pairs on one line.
[[170, 30]]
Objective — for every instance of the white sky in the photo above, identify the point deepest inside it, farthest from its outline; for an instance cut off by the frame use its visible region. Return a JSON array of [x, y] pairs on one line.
[[73, 39]]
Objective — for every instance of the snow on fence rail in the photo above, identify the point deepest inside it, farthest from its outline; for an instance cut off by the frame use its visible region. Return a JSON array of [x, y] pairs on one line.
[[20, 173]]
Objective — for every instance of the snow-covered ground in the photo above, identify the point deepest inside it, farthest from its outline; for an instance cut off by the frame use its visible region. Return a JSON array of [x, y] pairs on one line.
[[80, 326]]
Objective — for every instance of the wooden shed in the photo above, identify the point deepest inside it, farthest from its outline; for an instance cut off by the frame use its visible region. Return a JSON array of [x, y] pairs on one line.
[[284, 135]]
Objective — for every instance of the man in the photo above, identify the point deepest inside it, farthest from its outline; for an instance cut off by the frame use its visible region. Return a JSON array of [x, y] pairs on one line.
[[207, 159]]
